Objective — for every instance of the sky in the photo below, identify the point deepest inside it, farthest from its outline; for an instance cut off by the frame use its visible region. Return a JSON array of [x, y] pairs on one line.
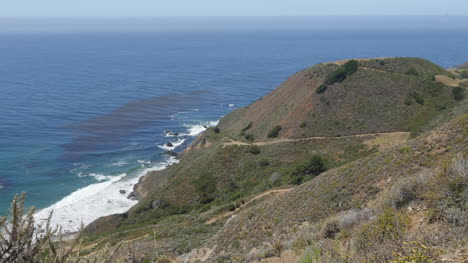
[[157, 8]]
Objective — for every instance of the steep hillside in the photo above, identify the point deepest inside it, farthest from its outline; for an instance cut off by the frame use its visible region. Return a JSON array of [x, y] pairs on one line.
[[382, 95], [358, 187], [332, 139]]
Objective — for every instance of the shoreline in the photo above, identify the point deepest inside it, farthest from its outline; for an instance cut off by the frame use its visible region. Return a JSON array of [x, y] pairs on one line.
[[112, 196]]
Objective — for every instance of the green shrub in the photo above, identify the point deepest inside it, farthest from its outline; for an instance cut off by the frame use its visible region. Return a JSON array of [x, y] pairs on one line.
[[458, 93], [350, 67], [336, 76], [274, 132], [253, 149], [249, 137], [408, 101], [303, 125], [205, 185], [377, 240], [417, 97], [321, 89], [216, 130], [412, 71], [314, 166], [263, 163]]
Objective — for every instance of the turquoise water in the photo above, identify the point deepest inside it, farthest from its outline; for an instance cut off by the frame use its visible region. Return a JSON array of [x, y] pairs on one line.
[[89, 111]]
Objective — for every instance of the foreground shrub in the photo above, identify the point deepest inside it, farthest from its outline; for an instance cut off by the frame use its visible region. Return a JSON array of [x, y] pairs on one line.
[[378, 240]]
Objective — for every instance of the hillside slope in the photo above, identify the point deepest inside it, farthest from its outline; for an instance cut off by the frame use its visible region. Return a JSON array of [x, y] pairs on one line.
[[383, 95], [295, 160]]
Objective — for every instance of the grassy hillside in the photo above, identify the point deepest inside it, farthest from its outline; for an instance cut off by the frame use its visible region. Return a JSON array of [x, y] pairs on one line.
[[331, 140], [382, 95]]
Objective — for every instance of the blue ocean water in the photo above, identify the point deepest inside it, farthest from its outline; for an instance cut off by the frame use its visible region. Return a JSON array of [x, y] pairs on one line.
[[89, 111]]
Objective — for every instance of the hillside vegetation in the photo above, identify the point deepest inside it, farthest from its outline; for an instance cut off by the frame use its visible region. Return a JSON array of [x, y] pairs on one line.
[[352, 161]]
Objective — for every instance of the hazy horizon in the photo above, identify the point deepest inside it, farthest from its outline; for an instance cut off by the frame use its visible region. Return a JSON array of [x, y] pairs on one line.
[[230, 23]]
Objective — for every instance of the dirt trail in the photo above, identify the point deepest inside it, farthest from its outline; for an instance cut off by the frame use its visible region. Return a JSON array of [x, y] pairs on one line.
[[273, 191], [384, 134]]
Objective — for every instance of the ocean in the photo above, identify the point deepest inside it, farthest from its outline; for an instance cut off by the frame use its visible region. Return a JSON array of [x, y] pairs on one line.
[[83, 115]]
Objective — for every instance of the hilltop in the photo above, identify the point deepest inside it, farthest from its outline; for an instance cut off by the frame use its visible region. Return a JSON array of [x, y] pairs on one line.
[[352, 161]]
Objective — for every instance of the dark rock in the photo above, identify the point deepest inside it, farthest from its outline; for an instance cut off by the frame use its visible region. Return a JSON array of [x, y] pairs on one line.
[[171, 153], [204, 126], [132, 196], [169, 144], [123, 192]]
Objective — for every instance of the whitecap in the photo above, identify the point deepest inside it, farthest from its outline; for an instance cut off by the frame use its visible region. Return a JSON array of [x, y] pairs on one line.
[[174, 145], [96, 200], [231, 105], [118, 163], [196, 129]]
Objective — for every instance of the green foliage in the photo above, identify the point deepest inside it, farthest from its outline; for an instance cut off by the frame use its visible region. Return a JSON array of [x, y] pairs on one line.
[[22, 240], [408, 101], [458, 93], [321, 89], [377, 239], [417, 97], [303, 125], [412, 71], [414, 252], [312, 167], [350, 67], [336, 76], [253, 149], [205, 185], [274, 132], [264, 163], [249, 137], [216, 130]]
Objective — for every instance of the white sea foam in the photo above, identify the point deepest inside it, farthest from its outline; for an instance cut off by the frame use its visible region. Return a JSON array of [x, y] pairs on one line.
[[91, 202], [196, 129], [231, 105], [174, 145], [119, 163], [143, 162]]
